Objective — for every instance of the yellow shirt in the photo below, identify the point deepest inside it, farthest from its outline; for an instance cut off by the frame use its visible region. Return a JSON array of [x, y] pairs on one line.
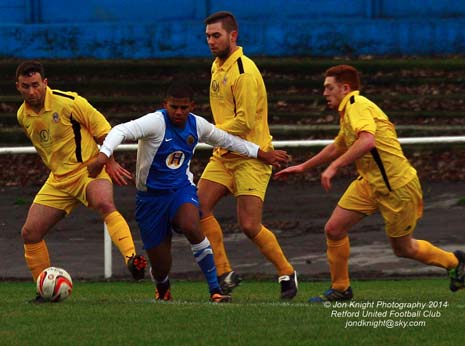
[[385, 167], [63, 132], [238, 100]]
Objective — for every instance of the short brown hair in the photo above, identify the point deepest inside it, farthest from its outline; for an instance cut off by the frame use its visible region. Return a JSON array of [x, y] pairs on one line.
[[345, 74], [226, 18], [29, 67]]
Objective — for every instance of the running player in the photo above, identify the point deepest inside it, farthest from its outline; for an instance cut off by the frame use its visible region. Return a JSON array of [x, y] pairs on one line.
[[387, 183], [167, 196]]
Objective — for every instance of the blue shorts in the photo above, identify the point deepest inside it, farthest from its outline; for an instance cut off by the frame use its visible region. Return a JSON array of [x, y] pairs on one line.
[[156, 209]]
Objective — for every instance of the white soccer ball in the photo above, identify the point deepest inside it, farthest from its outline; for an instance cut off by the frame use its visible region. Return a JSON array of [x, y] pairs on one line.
[[54, 284]]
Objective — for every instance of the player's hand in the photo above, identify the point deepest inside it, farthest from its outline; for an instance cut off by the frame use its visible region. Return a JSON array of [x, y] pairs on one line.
[[273, 157], [326, 177], [96, 165], [283, 174], [118, 174]]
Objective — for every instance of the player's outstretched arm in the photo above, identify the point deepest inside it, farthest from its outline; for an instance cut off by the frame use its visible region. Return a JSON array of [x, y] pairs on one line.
[[132, 130], [283, 174], [273, 157], [328, 153]]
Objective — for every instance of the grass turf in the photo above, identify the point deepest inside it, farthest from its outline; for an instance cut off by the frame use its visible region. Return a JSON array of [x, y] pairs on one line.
[[124, 313]]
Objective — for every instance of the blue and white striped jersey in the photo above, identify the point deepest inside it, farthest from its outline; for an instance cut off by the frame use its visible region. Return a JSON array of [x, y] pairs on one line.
[[164, 151]]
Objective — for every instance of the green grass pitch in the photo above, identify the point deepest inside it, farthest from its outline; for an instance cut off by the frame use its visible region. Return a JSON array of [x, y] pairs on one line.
[[397, 312]]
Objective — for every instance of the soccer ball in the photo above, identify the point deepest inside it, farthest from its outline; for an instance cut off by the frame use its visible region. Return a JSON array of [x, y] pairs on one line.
[[54, 284]]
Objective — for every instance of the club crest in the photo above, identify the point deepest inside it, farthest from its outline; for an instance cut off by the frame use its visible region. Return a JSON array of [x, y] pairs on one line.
[[175, 160], [215, 86]]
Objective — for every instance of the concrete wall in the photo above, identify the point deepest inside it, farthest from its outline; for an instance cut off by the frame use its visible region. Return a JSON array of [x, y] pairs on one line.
[[158, 29]]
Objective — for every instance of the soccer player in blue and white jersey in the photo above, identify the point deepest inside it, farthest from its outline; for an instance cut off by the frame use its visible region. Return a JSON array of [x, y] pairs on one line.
[[167, 196]]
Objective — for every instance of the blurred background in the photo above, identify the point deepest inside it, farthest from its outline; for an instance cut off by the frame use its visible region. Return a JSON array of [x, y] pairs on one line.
[[126, 29], [121, 55]]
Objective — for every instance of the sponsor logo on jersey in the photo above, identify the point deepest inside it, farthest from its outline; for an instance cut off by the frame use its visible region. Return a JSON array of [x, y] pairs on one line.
[[175, 160]]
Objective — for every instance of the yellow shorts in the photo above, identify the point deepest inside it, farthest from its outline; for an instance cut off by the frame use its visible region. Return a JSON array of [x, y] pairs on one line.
[[401, 208], [241, 176], [66, 192]]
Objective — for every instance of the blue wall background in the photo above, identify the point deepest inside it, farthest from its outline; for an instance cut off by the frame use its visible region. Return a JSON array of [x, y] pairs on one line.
[[123, 29]]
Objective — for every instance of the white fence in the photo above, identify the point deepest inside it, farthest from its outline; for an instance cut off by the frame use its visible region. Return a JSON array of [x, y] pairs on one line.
[[277, 145]]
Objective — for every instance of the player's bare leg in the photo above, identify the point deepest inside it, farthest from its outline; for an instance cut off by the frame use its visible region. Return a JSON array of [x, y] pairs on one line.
[[338, 252], [100, 197], [187, 221], [429, 254], [210, 193], [160, 265], [40, 219], [249, 213]]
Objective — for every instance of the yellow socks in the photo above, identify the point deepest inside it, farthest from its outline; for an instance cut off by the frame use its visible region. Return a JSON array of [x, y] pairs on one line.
[[212, 230], [120, 234], [338, 252], [430, 254], [265, 240], [269, 247], [37, 258]]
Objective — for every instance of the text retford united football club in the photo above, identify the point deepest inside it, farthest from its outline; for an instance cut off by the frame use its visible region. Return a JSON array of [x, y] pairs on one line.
[[388, 314]]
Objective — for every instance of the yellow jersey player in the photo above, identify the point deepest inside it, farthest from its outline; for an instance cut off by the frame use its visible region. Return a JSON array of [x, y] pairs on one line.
[[239, 105], [65, 130], [387, 183]]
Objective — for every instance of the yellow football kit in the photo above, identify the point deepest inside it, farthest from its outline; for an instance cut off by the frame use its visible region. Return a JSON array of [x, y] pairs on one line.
[[64, 131], [63, 134], [239, 105], [387, 181]]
